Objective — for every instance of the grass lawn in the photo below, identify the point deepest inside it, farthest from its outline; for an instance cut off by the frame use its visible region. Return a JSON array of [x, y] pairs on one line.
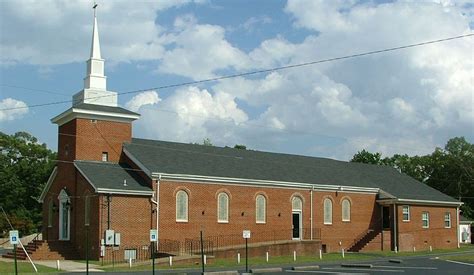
[[24, 268], [253, 262], [288, 260]]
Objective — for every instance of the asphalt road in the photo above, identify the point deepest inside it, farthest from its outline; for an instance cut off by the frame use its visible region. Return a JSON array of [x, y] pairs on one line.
[[409, 265]]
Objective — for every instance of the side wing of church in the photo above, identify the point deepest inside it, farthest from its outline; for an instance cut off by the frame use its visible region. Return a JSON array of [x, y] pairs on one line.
[[112, 189]]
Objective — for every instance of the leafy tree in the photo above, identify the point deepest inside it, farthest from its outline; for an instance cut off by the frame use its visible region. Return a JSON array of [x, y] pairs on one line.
[[449, 170], [25, 166], [365, 156], [240, 146], [207, 142]]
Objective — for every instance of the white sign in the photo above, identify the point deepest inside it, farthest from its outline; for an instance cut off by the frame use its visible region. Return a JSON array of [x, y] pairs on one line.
[[109, 237], [153, 235], [14, 237], [246, 234]]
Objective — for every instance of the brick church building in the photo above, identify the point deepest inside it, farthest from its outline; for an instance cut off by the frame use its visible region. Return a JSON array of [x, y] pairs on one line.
[[115, 188]]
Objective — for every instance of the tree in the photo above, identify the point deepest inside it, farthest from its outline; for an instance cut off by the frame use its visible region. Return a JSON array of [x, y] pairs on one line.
[[449, 170], [25, 166], [240, 146], [368, 157]]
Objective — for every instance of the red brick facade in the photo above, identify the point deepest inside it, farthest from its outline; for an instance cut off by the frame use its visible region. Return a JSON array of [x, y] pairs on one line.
[[133, 216]]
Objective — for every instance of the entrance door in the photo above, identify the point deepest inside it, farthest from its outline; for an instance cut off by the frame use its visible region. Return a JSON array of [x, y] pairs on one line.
[[296, 225]]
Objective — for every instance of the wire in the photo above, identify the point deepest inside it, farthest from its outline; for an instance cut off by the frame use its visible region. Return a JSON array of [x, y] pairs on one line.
[[33, 89], [257, 71]]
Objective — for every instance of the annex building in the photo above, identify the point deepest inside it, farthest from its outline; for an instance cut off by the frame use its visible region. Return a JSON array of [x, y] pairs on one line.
[[105, 180]]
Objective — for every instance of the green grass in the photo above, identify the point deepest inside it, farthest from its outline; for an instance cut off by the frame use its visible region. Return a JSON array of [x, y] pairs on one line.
[[24, 268], [253, 262]]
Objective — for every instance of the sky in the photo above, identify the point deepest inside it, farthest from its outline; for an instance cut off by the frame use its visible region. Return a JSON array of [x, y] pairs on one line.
[[408, 101]]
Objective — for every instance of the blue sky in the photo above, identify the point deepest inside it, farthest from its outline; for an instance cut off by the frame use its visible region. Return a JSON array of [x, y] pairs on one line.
[[408, 101]]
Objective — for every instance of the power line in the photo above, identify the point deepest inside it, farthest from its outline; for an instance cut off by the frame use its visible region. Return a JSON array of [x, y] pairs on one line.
[[258, 71]]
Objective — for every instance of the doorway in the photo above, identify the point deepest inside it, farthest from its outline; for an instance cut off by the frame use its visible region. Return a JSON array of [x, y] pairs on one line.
[[64, 216], [386, 217], [296, 225]]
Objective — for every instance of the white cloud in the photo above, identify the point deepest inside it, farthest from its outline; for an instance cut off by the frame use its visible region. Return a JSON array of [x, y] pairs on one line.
[[18, 109], [200, 50], [49, 32], [142, 99], [192, 114]]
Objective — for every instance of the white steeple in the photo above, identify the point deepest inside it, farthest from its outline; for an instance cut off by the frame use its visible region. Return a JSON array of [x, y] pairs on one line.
[[95, 82]]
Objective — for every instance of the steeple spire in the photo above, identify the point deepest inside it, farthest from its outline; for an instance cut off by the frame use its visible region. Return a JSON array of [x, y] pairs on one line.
[[95, 82], [95, 47]]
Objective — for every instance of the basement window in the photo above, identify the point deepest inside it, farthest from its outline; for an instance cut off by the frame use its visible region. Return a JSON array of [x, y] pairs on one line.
[[105, 156]]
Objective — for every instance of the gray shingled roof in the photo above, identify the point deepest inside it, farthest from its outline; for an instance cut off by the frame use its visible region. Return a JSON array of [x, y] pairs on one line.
[[106, 175], [102, 108], [191, 159]]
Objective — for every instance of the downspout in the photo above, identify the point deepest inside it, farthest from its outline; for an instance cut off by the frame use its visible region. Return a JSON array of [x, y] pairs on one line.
[[457, 226], [311, 212], [156, 202], [395, 237]]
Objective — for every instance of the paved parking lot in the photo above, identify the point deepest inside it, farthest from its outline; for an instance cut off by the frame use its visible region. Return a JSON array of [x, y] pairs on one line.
[[408, 266]]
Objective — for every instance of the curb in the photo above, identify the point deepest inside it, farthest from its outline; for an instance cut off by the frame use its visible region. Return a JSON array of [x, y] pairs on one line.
[[222, 272], [266, 270], [357, 265], [308, 267]]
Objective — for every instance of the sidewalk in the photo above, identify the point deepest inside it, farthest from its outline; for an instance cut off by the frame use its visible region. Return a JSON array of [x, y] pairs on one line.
[[64, 265], [70, 266]]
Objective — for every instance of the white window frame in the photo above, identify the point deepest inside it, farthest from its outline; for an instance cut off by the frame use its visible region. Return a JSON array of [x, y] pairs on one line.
[[226, 208], [181, 194], [105, 156], [448, 215], [50, 213], [261, 219], [64, 209], [425, 216], [343, 207], [87, 210], [296, 207], [327, 200], [407, 208]]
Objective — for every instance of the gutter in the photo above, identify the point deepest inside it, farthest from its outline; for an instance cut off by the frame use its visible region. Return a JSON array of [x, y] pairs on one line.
[[157, 203], [419, 202]]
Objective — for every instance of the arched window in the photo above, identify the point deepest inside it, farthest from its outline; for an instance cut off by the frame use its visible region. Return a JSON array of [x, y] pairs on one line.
[[297, 204], [346, 210], [327, 211], [181, 206], [223, 208], [87, 209], [50, 213], [261, 211]]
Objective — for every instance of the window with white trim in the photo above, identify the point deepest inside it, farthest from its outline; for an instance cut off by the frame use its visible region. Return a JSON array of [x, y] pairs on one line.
[[327, 211], [297, 204], [346, 210], [105, 156], [50, 213], [425, 219], [447, 220], [260, 208], [223, 208], [181, 206], [406, 213], [87, 210]]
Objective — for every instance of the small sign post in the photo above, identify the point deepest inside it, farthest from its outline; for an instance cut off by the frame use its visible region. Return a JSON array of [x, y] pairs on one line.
[[153, 240], [14, 239], [246, 236]]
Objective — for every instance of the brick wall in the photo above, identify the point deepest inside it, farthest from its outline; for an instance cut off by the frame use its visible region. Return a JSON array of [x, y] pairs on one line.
[[203, 212], [412, 234], [86, 139]]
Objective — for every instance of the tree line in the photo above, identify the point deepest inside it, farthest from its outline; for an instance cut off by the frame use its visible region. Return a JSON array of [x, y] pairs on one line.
[[449, 169]]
